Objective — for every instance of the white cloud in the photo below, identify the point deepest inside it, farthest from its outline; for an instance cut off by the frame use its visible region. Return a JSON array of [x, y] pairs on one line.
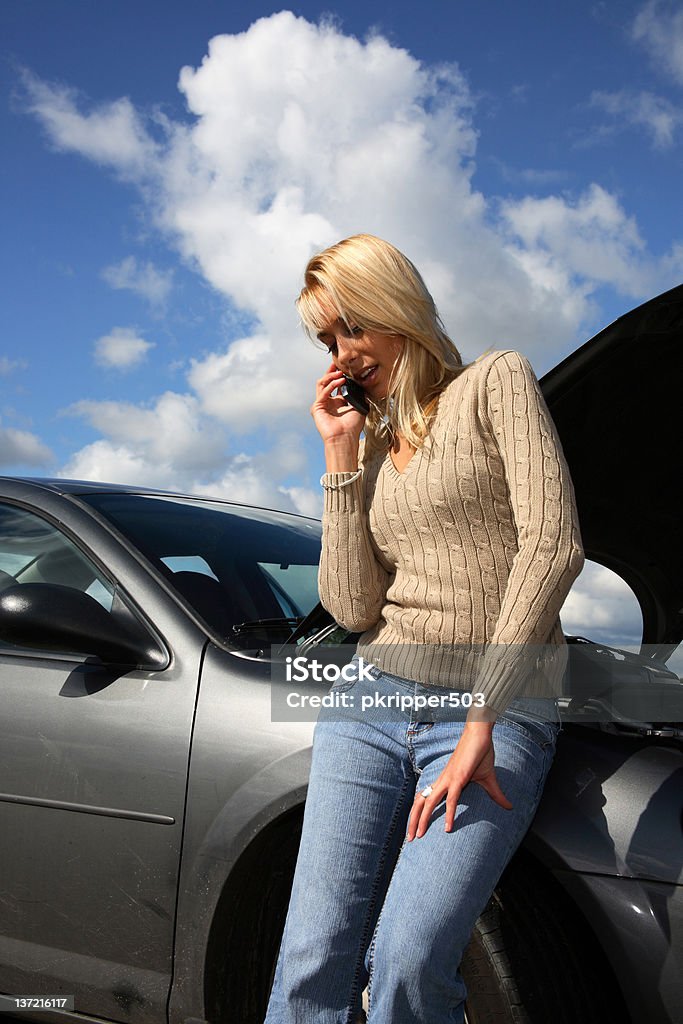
[[659, 27], [673, 263], [534, 177], [254, 479], [172, 444], [112, 463], [244, 482], [656, 114], [169, 433], [121, 349], [142, 278], [602, 607], [590, 239], [238, 385], [305, 501], [241, 478], [112, 134], [8, 366], [20, 448], [299, 135], [296, 136]]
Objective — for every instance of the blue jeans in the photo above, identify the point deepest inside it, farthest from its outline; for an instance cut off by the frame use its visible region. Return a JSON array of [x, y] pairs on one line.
[[368, 908]]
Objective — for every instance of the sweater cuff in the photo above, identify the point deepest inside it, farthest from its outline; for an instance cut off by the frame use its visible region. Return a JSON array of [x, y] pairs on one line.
[[502, 674], [342, 499]]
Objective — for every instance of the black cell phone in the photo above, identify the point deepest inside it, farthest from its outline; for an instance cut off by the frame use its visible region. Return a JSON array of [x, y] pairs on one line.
[[354, 395]]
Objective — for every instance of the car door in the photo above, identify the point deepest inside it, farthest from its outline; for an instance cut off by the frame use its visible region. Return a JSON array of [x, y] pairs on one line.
[[93, 770]]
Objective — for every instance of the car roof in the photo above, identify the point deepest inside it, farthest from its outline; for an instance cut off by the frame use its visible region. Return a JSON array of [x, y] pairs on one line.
[[75, 488], [63, 486]]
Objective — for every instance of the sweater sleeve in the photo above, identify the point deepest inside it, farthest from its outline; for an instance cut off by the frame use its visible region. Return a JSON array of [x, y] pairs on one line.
[[549, 553], [351, 581]]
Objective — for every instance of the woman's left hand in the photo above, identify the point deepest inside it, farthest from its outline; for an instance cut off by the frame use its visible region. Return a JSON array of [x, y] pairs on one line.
[[473, 760]]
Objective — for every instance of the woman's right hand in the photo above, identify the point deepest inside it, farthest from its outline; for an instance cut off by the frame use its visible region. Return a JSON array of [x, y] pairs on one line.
[[335, 419]]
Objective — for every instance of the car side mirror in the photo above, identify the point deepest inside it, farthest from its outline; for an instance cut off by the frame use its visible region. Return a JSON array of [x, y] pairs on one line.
[[52, 617]]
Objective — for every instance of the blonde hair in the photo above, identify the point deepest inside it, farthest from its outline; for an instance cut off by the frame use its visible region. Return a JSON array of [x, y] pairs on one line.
[[367, 282]]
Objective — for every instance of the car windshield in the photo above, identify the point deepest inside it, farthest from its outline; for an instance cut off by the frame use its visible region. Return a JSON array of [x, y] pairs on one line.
[[236, 566]]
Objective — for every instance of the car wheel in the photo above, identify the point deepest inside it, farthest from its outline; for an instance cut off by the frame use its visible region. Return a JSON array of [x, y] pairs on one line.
[[531, 960], [248, 925]]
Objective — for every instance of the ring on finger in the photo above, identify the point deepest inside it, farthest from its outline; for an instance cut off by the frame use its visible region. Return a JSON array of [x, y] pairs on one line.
[[427, 791]]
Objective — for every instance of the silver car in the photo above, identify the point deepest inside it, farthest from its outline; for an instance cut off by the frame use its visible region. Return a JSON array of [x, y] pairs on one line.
[[151, 798]]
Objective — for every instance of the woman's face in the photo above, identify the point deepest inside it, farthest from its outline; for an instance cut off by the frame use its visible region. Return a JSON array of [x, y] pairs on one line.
[[367, 356]]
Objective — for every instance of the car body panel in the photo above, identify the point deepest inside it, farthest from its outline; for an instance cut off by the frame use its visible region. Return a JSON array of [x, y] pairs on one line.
[[612, 805], [93, 773], [639, 926], [241, 781]]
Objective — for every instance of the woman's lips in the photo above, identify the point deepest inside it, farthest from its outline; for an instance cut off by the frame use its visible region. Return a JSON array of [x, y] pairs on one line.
[[372, 376]]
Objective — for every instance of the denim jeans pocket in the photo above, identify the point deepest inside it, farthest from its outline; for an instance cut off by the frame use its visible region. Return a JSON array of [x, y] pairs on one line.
[[543, 732]]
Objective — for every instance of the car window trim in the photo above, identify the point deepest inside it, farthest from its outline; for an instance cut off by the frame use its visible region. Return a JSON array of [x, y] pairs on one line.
[[119, 588]]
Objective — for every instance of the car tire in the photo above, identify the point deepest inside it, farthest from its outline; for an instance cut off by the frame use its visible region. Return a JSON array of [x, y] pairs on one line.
[[248, 926], [527, 930]]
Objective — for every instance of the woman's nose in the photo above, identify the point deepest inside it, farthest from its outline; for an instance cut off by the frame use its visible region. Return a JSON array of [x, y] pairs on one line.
[[347, 357]]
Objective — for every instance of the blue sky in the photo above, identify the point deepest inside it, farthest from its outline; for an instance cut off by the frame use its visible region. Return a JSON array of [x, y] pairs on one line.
[[168, 168]]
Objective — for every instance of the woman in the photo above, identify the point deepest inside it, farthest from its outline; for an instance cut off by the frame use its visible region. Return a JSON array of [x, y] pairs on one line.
[[450, 539]]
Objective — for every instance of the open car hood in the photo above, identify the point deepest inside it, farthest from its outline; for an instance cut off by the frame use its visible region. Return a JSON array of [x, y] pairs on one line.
[[615, 402]]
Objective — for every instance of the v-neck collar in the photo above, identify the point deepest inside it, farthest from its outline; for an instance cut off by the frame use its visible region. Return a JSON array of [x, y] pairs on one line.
[[387, 462], [402, 472], [398, 474]]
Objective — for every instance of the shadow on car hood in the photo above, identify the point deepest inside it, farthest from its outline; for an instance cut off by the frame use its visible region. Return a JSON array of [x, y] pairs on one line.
[[615, 402]]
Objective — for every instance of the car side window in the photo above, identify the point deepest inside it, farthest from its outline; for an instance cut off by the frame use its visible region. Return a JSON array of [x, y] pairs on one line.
[[32, 550]]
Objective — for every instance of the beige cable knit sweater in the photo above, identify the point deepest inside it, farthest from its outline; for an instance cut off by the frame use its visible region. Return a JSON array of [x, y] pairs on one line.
[[456, 568]]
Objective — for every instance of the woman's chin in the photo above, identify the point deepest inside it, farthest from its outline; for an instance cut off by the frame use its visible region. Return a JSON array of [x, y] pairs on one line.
[[376, 392]]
